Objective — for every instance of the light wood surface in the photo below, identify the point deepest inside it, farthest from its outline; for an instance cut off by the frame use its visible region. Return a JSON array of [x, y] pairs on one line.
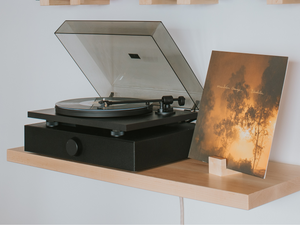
[[188, 179], [283, 1], [150, 2], [157, 2], [195, 2], [74, 2], [217, 166], [179, 2], [54, 2], [91, 2]]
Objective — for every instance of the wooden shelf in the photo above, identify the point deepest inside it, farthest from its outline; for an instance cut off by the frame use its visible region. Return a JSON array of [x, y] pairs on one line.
[[179, 2], [157, 2], [151, 2], [283, 2], [74, 2], [188, 179], [196, 2]]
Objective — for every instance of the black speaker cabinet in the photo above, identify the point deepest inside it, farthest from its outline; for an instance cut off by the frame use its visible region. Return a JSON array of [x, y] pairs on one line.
[[135, 151]]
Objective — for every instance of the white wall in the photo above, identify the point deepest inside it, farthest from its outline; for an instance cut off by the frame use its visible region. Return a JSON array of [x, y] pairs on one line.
[[36, 72]]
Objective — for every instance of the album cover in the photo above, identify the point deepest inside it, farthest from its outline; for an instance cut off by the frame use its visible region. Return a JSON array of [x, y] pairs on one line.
[[238, 110]]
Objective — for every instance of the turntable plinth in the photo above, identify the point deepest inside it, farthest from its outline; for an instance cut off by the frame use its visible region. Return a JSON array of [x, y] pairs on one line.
[[188, 178]]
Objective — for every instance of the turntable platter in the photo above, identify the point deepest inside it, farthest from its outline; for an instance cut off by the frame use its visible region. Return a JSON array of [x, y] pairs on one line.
[[90, 107]]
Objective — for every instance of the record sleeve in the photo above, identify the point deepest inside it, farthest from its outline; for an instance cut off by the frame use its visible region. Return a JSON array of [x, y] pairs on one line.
[[238, 110]]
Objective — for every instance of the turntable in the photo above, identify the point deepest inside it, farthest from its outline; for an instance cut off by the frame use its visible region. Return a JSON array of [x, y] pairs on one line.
[[148, 96]]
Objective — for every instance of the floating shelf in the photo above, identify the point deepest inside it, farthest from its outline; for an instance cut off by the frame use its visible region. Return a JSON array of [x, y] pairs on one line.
[[74, 2], [179, 2], [157, 2], [188, 179], [283, 2], [151, 2]]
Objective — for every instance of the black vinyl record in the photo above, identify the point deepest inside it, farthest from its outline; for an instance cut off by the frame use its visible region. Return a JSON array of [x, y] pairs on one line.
[[90, 107]]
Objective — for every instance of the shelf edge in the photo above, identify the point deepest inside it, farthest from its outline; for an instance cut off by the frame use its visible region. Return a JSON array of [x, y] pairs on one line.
[[278, 2], [131, 179]]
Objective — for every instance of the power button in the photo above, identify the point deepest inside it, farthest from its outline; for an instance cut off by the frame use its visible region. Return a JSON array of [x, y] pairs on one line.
[[73, 147]]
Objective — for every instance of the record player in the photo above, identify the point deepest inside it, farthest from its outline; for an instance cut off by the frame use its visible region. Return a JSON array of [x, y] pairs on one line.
[[148, 96]]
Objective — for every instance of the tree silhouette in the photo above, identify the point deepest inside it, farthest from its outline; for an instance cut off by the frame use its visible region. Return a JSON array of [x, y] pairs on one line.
[[236, 115], [255, 121], [257, 117], [206, 106], [235, 98]]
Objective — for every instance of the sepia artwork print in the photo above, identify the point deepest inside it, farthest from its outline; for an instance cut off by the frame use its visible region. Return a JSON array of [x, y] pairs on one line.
[[238, 110]]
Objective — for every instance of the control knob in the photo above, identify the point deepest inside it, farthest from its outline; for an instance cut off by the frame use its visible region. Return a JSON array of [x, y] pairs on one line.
[[73, 147]]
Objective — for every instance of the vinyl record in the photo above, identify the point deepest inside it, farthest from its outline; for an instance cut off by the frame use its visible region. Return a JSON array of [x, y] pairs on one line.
[[90, 107]]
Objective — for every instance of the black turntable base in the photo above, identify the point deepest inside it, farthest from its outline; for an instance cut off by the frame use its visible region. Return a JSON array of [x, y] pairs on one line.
[[121, 123], [136, 150], [132, 143]]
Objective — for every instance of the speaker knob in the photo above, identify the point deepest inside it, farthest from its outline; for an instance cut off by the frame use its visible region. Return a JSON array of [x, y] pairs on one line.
[[73, 147]]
